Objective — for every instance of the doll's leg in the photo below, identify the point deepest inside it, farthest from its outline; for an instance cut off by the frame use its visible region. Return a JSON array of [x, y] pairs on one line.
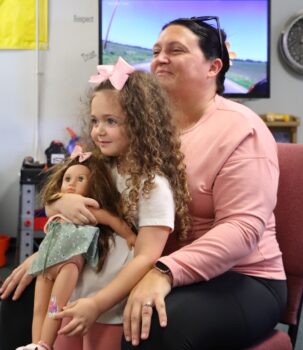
[[64, 284], [43, 291]]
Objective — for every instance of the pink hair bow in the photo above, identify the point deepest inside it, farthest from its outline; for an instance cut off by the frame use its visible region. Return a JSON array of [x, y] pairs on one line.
[[78, 152], [117, 74]]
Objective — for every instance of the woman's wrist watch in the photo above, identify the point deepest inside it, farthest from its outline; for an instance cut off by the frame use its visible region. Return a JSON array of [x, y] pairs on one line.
[[161, 267]]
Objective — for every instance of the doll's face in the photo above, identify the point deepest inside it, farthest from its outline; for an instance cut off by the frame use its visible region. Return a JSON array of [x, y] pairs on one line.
[[76, 180]]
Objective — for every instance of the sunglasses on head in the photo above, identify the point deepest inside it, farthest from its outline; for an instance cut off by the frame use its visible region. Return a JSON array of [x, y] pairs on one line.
[[202, 19]]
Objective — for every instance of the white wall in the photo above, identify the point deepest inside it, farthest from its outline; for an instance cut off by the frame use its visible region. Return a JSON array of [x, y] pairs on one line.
[[286, 87], [66, 66]]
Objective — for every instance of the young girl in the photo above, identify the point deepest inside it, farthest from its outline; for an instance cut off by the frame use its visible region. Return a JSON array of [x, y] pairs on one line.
[[66, 246], [130, 125]]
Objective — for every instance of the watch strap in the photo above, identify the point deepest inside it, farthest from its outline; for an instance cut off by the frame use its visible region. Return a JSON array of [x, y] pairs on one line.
[[161, 267]]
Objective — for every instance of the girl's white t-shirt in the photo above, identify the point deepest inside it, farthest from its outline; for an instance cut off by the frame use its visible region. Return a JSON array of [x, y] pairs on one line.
[[156, 210]]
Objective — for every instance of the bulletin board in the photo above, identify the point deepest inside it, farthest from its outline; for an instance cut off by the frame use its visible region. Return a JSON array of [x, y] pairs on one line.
[[18, 24]]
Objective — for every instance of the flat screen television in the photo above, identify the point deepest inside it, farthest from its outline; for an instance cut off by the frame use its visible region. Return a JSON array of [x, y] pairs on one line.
[[129, 28]]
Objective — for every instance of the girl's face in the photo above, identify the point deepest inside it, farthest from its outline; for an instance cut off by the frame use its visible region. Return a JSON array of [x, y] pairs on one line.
[[76, 180], [107, 124], [178, 61]]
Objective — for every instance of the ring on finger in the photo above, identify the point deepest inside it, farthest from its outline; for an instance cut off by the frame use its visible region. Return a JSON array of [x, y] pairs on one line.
[[148, 304]]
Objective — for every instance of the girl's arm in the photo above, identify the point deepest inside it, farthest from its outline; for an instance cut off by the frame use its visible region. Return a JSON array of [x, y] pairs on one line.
[[74, 207], [117, 224], [84, 312]]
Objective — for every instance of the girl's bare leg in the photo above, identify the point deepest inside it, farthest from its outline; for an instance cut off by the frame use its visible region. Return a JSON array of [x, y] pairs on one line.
[[64, 342], [103, 336], [99, 337], [62, 289]]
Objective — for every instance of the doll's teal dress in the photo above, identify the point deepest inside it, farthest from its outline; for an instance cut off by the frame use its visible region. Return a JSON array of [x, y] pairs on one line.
[[63, 241]]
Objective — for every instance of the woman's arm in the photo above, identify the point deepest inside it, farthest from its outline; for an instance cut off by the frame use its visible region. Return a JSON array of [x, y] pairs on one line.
[[117, 224], [74, 207], [18, 280], [148, 248], [244, 197]]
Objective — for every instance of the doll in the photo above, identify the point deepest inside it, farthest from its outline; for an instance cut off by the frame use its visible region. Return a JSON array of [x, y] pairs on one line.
[[67, 246]]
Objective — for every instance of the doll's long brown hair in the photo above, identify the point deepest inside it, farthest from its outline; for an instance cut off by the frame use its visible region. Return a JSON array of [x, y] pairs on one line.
[[154, 146], [101, 188]]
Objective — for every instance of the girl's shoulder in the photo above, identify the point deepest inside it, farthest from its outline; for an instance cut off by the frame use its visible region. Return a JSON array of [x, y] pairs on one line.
[[161, 181], [161, 190]]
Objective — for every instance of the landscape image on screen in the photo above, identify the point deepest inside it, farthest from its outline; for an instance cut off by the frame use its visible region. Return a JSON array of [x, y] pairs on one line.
[[130, 28]]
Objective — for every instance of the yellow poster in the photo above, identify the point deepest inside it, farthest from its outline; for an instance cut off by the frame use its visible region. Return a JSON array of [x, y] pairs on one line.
[[18, 24]]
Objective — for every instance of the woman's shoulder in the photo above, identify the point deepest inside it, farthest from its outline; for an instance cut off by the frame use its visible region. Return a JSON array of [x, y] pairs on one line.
[[237, 112], [238, 121], [243, 124]]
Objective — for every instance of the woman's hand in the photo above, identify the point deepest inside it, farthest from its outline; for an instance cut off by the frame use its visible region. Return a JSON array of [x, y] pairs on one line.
[[83, 312], [74, 207], [148, 295], [19, 279]]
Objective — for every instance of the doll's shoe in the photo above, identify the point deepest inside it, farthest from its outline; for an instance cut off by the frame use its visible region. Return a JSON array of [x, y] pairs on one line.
[[31, 347]]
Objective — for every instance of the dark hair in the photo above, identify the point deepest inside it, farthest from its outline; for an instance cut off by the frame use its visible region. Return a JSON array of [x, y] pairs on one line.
[[209, 44]]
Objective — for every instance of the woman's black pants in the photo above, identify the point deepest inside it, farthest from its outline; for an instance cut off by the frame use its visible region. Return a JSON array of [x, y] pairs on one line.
[[229, 312], [16, 320]]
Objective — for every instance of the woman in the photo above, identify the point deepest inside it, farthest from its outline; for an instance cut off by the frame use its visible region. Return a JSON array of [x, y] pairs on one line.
[[225, 286]]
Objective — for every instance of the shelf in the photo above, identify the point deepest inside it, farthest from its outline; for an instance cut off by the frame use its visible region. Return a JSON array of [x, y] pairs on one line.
[[284, 128]]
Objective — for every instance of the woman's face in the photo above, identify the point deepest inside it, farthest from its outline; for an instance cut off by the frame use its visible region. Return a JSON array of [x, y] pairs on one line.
[[178, 61], [108, 124]]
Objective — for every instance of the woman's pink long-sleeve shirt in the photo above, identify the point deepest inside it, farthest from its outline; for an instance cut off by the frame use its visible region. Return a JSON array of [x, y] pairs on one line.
[[233, 172]]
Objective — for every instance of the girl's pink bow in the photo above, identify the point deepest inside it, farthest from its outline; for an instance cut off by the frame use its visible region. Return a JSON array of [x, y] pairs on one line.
[[78, 152], [117, 74]]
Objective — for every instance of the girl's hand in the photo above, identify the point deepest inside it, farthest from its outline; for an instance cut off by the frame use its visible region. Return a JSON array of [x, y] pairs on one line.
[[102, 216], [131, 241], [83, 312], [74, 207], [19, 279], [151, 290]]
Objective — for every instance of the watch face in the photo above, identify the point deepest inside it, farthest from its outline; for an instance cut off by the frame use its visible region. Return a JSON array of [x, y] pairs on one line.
[[292, 43], [161, 267]]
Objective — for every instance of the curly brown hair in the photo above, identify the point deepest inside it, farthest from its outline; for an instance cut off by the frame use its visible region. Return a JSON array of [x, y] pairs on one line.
[[101, 188], [154, 146]]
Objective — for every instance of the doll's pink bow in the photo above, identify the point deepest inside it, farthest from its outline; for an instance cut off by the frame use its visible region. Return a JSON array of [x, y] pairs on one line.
[[78, 152], [117, 74]]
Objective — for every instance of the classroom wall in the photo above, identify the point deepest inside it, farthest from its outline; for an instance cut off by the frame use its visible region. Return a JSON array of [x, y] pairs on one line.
[[286, 86], [64, 71]]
